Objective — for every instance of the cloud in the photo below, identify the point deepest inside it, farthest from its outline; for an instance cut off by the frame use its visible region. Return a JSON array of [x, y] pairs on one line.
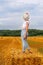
[[6, 19], [18, 3], [1, 8], [11, 12], [1, 23], [24, 1]]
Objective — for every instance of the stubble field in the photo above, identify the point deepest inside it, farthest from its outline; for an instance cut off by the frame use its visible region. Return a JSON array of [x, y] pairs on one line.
[[11, 51]]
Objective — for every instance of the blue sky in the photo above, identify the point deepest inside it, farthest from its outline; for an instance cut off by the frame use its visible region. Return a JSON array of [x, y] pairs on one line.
[[11, 13]]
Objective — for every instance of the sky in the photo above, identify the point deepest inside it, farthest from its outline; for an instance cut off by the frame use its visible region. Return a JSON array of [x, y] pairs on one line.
[[12, 11]]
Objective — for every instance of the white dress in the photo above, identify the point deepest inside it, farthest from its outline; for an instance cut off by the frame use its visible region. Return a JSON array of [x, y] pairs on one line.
[[24, 41]]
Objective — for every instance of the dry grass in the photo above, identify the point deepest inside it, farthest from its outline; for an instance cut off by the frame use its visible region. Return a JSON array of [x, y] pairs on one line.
[[11, 51]]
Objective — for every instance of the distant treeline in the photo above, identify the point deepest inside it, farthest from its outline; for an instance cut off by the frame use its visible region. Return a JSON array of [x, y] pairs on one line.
[[31, 32]]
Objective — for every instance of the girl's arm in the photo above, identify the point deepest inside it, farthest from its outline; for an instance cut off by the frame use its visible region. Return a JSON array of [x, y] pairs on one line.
[[27, 27], [25, 35]]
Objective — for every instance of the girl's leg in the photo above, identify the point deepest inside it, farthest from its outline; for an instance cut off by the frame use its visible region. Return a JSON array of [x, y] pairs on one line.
[[25, 44]]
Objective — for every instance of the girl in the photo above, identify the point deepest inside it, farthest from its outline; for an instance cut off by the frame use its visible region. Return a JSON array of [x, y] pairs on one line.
[[24, 32]]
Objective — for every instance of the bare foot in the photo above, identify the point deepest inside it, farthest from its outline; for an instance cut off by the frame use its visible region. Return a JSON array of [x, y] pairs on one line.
[[30, 51], [23, 52]]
